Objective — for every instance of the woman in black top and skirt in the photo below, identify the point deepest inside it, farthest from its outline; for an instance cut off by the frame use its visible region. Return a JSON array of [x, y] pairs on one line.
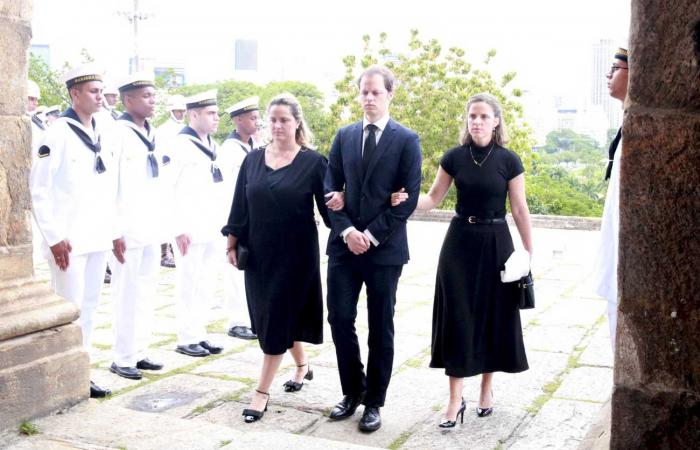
[[476, 320], [273, 214]]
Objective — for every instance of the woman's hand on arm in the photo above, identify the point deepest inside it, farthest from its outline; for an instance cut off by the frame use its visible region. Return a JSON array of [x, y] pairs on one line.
[[428, 201]]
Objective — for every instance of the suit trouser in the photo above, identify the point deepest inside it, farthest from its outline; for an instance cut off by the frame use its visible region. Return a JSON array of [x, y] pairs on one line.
[[134, 286], [81, 284], [196, 273], [345, 278]]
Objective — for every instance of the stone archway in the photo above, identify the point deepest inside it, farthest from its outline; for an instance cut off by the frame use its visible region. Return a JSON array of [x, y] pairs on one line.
[[42, 365], [656, 399]]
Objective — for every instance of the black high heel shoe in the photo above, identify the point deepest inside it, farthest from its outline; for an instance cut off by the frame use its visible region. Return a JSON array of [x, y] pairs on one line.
[[293, 386], [253, 415], [485, 412], [460, 414]]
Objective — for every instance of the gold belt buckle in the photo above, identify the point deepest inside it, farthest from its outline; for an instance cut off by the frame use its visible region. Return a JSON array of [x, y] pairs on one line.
[[471, 219]]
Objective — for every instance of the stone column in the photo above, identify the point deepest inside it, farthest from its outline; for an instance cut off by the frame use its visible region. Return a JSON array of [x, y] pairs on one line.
[[42, 365], [656, 400]]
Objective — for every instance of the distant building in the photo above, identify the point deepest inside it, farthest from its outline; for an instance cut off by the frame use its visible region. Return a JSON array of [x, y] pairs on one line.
[[42, 51], [603, 52]]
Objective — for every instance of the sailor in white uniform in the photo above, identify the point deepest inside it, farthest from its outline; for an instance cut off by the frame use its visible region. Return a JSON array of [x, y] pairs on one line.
[[245, 115], [605, 274], [139, 218], [198, 189], [73, 185], [165, 134], [51, 113]]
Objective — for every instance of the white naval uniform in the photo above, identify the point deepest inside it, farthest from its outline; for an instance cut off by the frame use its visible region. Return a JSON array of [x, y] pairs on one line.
[[139, 219], [71, 200], [605, 273], [198, 213], [37, 239], [232, 153], [168, 130]]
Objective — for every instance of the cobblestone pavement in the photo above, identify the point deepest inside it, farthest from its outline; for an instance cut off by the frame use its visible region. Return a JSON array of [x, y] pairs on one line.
[[196, 403]]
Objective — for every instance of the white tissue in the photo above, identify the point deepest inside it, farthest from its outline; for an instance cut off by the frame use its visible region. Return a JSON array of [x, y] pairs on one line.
[[517, 266]]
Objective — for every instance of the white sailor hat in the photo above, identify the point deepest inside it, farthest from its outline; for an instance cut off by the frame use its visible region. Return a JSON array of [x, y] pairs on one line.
[[135, 81], [82, 74], [53, 109], [33, 90], [207, 98], [249, 104], [109, 88], [175, 102]]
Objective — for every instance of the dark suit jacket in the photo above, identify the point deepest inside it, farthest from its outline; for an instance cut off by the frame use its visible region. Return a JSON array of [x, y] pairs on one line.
[[396, 163]]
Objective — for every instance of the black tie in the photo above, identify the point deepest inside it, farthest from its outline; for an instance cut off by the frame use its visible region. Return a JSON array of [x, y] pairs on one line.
[[370, 146]]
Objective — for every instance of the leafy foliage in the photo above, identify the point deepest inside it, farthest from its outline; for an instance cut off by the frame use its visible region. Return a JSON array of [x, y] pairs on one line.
[[433, 87]]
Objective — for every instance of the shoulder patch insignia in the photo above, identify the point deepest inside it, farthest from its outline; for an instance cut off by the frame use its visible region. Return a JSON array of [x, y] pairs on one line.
[[44, 151]]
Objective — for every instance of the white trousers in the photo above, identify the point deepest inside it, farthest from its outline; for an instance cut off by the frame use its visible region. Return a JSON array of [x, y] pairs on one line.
[[234, 296], [134, 286], [196, 275], [81, 284]]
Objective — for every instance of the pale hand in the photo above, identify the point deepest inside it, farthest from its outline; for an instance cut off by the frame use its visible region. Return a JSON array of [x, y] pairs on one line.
[[357, 242], [232, 257], [183, 243], [336, 200], [399, 197]]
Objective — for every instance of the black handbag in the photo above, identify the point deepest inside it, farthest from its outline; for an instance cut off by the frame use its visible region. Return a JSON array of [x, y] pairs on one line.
[[526, 292], [242, 254]]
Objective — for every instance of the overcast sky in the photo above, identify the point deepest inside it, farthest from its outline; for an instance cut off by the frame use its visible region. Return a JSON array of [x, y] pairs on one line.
[[548, 42]]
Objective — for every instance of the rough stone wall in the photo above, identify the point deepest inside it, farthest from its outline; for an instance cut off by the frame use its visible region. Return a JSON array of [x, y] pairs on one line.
[[15, 132], [656, 401]]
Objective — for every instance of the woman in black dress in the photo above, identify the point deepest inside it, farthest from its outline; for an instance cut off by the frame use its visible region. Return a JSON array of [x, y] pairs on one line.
[[476, 320], [273, 214]]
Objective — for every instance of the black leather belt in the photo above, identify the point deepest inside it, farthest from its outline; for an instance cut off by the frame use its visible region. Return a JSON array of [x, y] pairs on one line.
[[482, 221]]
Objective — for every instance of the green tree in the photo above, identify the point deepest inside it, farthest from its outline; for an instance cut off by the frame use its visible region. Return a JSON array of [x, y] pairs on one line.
[[433, 87], [53, 92], [232, 91]]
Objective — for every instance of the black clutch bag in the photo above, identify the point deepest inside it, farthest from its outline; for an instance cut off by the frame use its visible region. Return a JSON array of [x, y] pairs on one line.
[[242, 254], [526, 292]]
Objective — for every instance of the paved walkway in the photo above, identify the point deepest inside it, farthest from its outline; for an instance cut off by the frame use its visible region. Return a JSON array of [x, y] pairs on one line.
[[196, 403]]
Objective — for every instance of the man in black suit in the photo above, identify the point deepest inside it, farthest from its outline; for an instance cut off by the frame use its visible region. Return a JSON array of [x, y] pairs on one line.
[[369, 160]]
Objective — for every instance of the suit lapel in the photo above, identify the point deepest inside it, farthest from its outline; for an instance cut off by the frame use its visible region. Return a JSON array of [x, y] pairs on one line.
[[384, 141]]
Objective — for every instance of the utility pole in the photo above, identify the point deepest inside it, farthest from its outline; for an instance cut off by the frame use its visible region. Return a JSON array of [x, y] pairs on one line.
[[134, 17]]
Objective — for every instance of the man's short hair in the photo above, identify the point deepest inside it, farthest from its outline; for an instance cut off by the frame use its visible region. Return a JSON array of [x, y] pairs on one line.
[[386, 74]]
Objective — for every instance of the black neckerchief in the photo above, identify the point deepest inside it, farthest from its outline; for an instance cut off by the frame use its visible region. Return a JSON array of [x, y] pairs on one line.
[[96, 147], [234, 135], [194, 138], [37, 121], [611, 152], [150, 144]]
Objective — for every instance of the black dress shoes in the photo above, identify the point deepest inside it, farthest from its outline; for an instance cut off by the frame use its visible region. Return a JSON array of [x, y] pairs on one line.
[[242, 332], [131, 373], [98, 392], [147, 364], [211, 348], [346, 407], [371, 420], [192, 350]]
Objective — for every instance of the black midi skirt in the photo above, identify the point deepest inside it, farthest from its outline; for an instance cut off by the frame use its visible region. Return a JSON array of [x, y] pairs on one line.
[[476, 320]]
